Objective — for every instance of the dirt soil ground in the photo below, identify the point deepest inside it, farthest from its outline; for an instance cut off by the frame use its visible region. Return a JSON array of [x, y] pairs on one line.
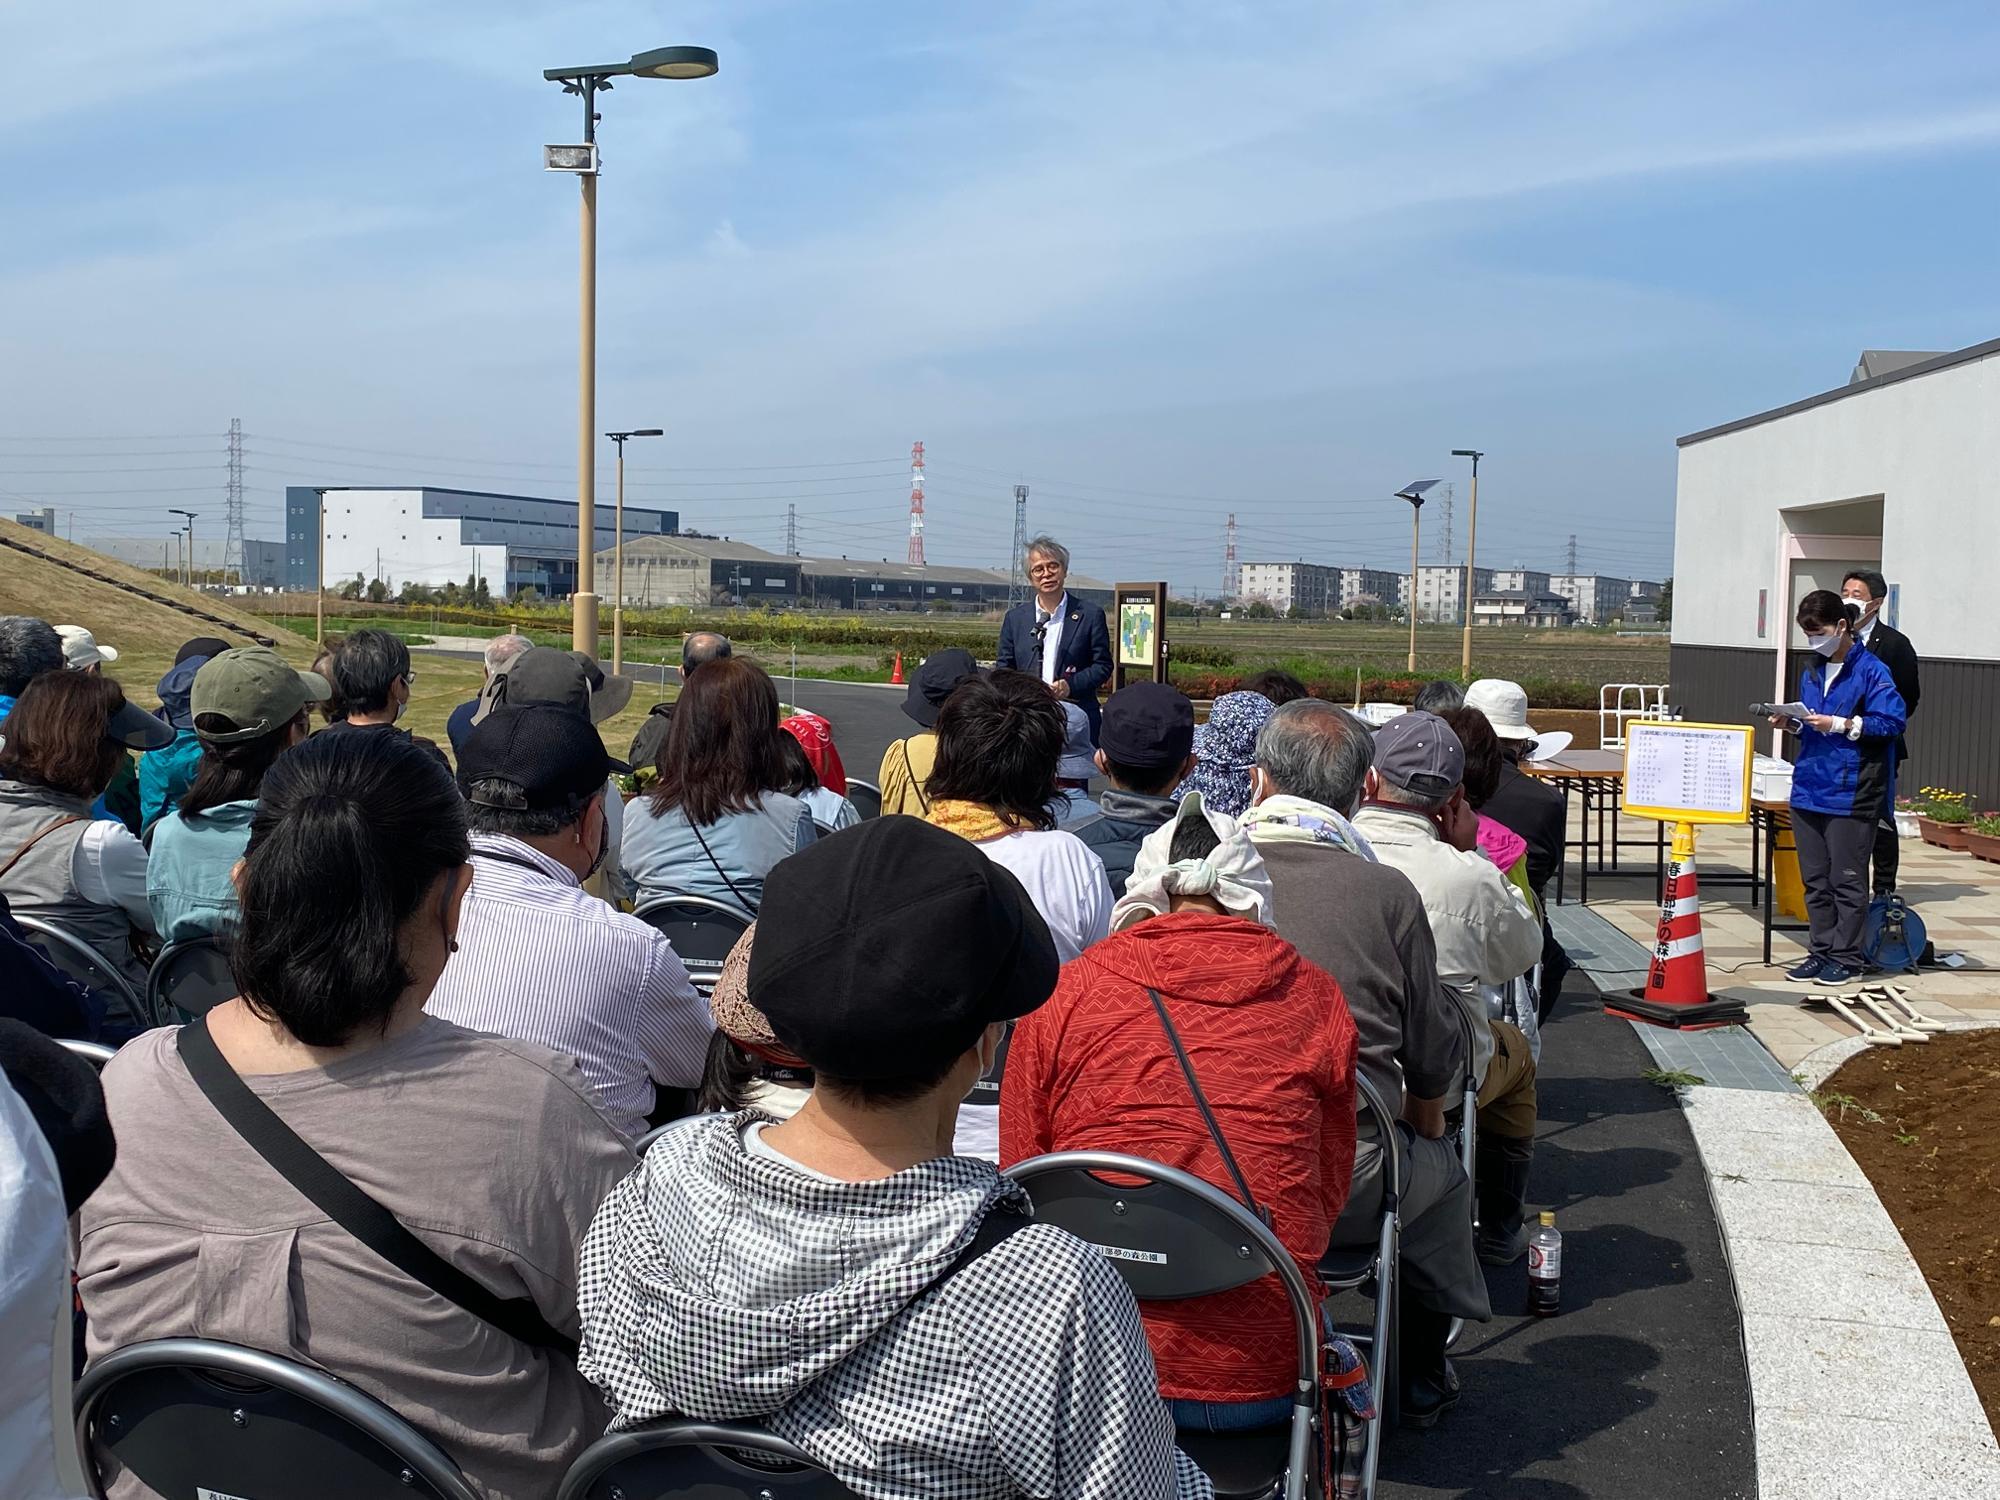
[[1924, 1123]]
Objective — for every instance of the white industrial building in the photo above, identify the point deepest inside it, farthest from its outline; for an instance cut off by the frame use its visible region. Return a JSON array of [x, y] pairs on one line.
[[1372, 586], [1899, 470], [1441, 591], [263, 562], [1594, 598], [1311, 587]]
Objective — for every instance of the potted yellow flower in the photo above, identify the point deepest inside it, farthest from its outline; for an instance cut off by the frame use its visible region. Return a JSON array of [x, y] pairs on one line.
[[1944, 817]]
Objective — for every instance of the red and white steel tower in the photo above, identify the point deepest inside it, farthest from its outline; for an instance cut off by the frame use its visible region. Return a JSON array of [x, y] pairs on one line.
[[917, 504], [1232, 578]]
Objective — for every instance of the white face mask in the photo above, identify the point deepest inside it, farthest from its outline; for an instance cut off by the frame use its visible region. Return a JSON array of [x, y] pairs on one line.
[[1869, 607], [1826, 644]]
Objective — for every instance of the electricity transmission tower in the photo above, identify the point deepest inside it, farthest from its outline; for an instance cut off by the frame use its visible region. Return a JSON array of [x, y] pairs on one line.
[[232, 549], [1017, 583]]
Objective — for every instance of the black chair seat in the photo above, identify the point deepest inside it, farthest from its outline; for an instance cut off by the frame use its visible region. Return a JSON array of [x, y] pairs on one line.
[[1242, 1465], [1347, 1266]]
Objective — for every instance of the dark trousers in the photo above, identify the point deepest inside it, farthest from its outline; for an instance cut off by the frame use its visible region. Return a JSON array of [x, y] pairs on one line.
[[1888, 858], [1833, 863]]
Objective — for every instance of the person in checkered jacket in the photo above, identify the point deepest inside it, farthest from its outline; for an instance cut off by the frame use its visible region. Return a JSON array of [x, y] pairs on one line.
[[840, 1277]]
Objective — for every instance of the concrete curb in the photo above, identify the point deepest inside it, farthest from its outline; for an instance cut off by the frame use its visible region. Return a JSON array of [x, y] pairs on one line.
[[1856, 1387]]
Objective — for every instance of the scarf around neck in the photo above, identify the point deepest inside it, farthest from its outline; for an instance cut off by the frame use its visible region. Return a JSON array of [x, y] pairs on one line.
[[1285, 819], [974, 821]]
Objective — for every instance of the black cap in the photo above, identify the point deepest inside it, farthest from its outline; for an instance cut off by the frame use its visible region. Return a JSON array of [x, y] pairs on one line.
[[884, 950], [935, 679], [1147, 726], [534, 756], [568, 679], [202, 646]]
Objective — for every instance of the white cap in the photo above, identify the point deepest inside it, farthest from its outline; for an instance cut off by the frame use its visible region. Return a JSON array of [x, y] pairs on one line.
[[80, 649], [1505, 705]]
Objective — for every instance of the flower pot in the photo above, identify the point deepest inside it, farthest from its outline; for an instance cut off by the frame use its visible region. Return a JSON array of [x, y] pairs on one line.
[[1944, 835], [1984, 846]]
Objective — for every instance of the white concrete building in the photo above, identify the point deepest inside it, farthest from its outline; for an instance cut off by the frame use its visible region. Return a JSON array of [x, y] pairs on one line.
[[1441, 592], [263, 562], [1897, 471], [1372, 586], [1521, 609], [1593, 597], [1519, 581], [1285, 586]]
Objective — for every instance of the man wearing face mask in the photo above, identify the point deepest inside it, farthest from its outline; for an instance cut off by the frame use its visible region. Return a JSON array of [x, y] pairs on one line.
[[539, 959], [1844, 776], [1868, 589], [372, 678]]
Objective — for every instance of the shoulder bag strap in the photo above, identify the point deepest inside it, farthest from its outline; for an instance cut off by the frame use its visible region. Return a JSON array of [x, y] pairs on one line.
[[748, 905], [998, 1226], [347, 1205], [911, 772], [1201, 1103], [35, 838]]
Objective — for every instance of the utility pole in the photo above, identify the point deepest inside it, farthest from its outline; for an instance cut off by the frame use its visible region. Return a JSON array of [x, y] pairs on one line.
[[232, 549], [1017, 586], [319, 585], [189, 570], [1471, 557]]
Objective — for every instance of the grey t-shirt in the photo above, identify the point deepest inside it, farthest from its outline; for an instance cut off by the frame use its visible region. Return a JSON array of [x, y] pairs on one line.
[[491, 1151]]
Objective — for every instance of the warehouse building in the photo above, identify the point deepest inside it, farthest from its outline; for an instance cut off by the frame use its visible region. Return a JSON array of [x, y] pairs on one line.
[[263, 562], [1898, 470], [431, 536]]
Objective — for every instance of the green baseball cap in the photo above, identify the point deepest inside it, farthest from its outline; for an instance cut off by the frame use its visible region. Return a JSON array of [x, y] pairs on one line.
[[254, 688]]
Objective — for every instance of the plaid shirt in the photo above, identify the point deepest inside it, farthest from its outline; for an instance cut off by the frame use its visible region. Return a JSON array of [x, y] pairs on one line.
[[723, 1285]]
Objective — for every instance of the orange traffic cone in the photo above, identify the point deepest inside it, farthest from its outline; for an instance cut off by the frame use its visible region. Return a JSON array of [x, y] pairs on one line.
[[1676, 992], [896, 676]]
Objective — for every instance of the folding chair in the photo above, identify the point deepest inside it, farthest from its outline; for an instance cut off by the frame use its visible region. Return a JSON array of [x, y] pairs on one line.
[[192, 1417], [1350, 1268], [188, 979], [84, 963], [866, 797], [94, 1053], [1173, 1237], [678, 1459], [701, 930]]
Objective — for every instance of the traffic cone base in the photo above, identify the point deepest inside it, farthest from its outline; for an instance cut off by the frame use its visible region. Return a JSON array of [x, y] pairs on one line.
[[1676, 992]]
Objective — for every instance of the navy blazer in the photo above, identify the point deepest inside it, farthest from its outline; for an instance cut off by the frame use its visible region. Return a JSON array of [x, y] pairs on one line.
[[1083, 660]]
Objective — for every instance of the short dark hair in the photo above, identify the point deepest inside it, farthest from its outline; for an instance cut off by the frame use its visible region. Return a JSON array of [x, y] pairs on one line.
[[234, 773], [1147, 781], [1279, 686], [1878, 586], [1482, 753], [58, 735], [530, 822], [999, 738], [1194, 838], [1436, 697], [351, 833], [366, 667], [1823, 609], [800, 777], [721, 750], [28, 648]]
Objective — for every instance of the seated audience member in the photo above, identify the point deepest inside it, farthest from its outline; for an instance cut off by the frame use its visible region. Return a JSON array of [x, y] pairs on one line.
[[543, 961], [165, 774], [1279, 686], [491, 1151], [249, 706], [713, 823], [1272, 1048], [1364, 923], [1505, 848], [814, 773], [700, 647], [748, 1067], [81, 653], [1487, 933], [36, 993], [67, 735], [1074, 768], [1532, 809], [836, 1277], [907, 763], [28, 648], [497, 653], [119, 801], [333, 711], [1145, 749], [372, 679], [998, 740], [1224, 750], [1438, 696]]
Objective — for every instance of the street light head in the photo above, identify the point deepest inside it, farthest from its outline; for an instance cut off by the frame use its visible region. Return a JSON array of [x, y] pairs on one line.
[[579, 159], [1414, 493], [650, 432], [673, 62], [1467, 453]]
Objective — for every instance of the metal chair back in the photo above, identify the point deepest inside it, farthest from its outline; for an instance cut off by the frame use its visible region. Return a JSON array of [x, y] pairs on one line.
[[189, 1417], [94, 1053], [678, 1459], [701, 930], [866, 797], [83, 963], [1174, 1236], [188, 979]]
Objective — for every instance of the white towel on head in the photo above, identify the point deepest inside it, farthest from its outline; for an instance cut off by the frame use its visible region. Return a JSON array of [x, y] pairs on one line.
[[1232, 873]]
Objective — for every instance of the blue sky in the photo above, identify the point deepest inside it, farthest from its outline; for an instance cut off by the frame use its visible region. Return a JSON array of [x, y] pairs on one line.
[[1159, 260]]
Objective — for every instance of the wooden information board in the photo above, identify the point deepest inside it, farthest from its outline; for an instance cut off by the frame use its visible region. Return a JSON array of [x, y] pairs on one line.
[[1688, 773]]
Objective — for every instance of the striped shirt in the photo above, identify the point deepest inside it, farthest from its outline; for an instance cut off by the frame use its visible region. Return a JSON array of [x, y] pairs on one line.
[[540, 960]]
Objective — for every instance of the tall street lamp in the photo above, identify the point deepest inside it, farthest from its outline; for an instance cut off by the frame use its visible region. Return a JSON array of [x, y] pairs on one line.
[[1471, 546], [175, 510], [1414, 493], [587, 82], [618, 550]]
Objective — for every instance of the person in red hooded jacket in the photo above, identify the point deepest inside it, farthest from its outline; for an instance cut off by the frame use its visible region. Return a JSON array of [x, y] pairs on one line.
[[1272, 1046]]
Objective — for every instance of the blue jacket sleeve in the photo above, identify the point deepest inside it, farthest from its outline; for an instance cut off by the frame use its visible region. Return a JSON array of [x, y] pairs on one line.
[[1880, 706], [1088, 679]]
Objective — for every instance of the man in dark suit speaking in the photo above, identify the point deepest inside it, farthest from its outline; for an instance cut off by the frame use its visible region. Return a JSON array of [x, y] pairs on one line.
[[1058, 638], [1888, 645]]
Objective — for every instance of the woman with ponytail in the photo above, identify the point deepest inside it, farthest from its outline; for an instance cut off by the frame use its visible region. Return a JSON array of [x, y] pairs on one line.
[[490, 1152]]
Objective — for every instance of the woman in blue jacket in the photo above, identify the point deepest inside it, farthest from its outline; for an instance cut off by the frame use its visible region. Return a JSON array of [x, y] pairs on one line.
[[1844, 776]]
